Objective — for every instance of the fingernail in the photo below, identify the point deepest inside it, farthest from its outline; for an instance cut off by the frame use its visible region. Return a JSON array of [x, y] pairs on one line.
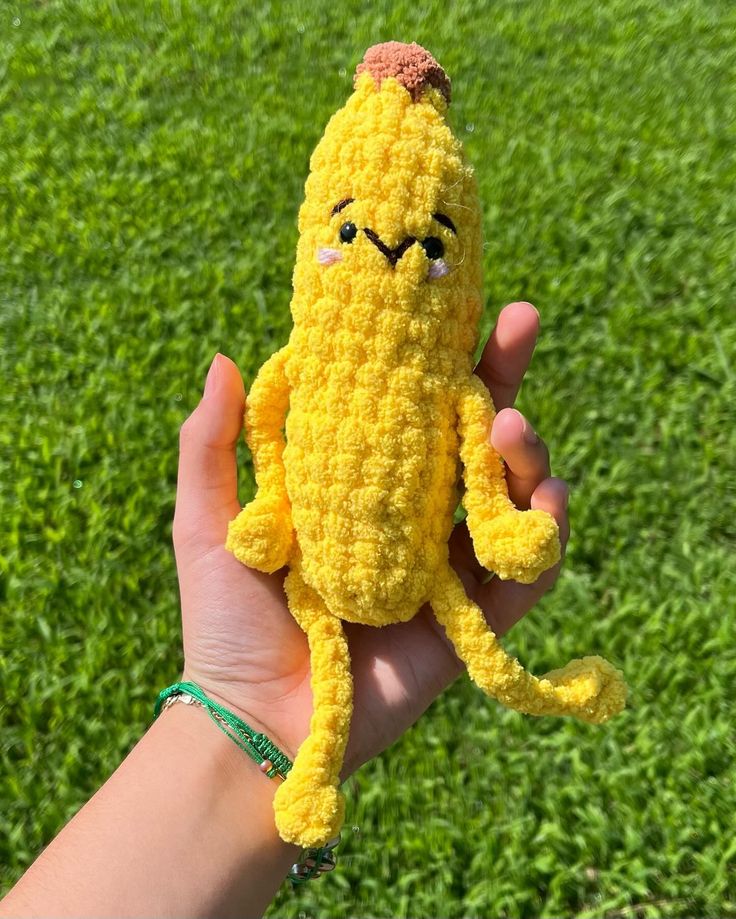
[[528, 433], [212, 374], [563, 487]]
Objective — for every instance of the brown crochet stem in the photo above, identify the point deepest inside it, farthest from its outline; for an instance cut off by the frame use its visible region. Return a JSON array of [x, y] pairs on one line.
[[411, 65]]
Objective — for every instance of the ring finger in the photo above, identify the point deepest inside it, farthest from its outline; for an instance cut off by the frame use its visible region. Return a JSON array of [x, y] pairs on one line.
[[525, 454]]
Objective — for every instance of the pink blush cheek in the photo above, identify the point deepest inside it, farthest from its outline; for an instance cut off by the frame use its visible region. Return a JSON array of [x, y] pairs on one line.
[[438, 269], [327, 256]]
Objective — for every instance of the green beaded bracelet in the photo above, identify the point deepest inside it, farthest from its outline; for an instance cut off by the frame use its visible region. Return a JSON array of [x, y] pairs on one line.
[[259, 748]]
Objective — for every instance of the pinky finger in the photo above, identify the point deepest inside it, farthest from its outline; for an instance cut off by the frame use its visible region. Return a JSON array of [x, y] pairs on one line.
[[552, 495]]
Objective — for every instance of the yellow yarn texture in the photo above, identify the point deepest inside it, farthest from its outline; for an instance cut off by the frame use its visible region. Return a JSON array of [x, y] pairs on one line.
[[359, 425]]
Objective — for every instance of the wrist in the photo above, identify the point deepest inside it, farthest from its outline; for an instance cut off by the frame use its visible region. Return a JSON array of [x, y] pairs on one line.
[[215, 762], [249, 711], [270, 760]]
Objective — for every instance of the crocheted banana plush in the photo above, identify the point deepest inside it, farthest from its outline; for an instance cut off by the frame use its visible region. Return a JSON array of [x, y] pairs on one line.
[[356, 426]]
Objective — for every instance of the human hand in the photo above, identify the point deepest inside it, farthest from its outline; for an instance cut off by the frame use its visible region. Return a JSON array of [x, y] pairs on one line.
[[241, 643]]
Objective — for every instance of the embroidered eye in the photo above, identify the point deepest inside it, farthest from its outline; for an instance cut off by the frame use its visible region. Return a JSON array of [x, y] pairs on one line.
[[433, 247], [348, 232]]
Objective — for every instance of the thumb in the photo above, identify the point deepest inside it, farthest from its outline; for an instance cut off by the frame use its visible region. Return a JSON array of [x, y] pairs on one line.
[[207, 488]]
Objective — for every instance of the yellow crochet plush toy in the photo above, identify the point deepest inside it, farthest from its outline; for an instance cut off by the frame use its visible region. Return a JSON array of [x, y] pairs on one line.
[[376, 396]]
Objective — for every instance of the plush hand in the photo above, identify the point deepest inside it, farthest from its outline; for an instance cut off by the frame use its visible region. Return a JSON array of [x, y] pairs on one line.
[[262, 535], [519, 545]]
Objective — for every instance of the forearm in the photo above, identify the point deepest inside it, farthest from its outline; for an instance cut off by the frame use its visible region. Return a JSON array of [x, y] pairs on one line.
[[184, 827]]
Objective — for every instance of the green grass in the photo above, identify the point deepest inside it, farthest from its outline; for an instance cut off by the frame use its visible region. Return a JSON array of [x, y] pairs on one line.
[[151, 167]]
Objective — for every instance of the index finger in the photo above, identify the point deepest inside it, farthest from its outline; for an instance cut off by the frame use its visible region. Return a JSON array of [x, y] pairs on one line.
[[506, 356]]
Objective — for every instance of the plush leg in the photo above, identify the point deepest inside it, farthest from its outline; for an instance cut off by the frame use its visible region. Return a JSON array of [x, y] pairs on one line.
[[309, 806], [589, 689]]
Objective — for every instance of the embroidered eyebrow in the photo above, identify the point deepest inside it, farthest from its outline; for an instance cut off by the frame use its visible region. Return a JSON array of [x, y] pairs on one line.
[[445, 221], [340, 205]]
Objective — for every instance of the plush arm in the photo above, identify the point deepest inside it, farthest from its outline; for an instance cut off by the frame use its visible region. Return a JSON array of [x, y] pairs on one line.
[[265, 414], [519, 545], [261, 536]]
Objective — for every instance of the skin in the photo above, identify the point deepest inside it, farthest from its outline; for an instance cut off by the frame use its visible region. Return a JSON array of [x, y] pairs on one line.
[[135, 848]]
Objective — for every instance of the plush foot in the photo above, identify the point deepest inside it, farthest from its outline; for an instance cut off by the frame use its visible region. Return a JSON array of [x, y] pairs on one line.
[[519, 545], [261, 536], [594, 689], [306, 813]]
